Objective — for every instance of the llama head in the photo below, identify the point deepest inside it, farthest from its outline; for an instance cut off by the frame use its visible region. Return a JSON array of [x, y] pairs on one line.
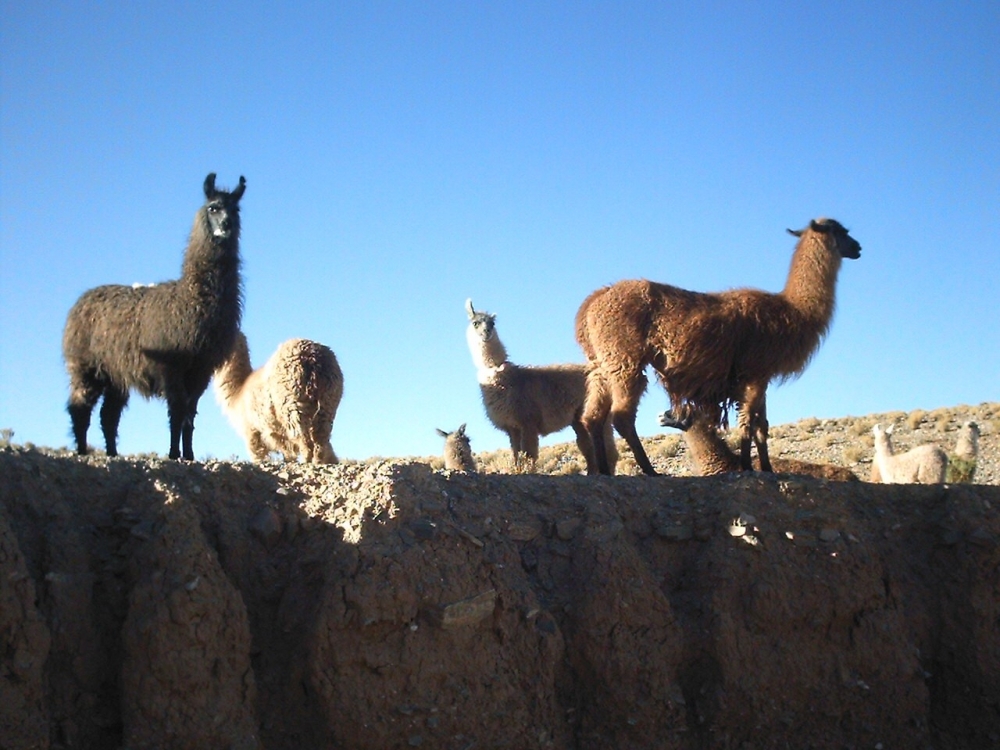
[[835, 233], [971, 429], [879, 432], [458, 434], [222, 209], [483, 323]]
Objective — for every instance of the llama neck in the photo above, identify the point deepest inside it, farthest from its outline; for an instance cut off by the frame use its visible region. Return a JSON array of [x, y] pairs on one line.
[[812, 280], [209, 264], [232, 375], [486, 355], [710, 452]]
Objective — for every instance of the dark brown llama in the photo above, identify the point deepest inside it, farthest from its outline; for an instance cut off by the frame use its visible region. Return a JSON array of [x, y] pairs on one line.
[[710, 350], [163, 340]]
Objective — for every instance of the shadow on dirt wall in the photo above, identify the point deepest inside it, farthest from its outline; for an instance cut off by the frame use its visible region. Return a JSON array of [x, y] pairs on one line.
[[158, 604]]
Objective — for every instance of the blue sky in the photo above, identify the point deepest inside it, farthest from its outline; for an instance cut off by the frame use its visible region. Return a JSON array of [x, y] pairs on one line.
[[401, 157]]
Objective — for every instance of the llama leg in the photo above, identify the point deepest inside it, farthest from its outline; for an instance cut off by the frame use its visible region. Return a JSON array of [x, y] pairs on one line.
[[595, 418], [752, 411], [624, 404], [187, 434], [322, 450], [515, 435], [84, 392], [610, 449], [586, 446], [324, 454], [181, 425], [529, 444], [115, 402], [760, 436], [255, 445]]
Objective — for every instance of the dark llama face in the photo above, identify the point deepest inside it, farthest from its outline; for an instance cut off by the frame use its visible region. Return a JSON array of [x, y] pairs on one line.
[[847, 246], [223, 209]]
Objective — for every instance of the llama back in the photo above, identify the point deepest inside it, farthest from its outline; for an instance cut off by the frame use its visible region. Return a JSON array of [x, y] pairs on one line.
[[925, 464], [545, 397], [307, 387]]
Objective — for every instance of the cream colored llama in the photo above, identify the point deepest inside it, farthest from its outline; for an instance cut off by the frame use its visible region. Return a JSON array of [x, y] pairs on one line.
[[925, 464], [288, 405]]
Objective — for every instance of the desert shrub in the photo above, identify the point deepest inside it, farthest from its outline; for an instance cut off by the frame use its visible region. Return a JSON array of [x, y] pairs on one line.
[[960, 470], [942, 419], [667, 447], [853, 454], [915, 418], [861, 426], [809, 424]]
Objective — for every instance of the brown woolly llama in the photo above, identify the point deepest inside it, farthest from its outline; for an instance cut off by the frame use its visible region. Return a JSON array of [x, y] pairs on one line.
[[288, 405], [527, 402], [710, 350], [711, 455], [162, 340], [457, 450]]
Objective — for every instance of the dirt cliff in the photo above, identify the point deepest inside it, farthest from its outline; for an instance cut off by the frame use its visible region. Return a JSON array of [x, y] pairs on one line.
[[148, 604]]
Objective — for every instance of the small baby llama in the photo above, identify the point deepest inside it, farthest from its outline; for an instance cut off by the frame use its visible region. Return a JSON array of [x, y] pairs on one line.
[[288, 405], [925, 464], [457, 450]]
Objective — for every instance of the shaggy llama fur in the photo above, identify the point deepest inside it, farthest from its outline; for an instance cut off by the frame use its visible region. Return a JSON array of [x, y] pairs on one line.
[[925, 464], [288, 405], [457, 450], [710, 351], [163, 340], [527, 402]]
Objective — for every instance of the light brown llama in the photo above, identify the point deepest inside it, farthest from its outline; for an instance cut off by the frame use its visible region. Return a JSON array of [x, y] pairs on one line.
[[527, 402], [288, 405], [457, 450], [710, 455], [710, 350]]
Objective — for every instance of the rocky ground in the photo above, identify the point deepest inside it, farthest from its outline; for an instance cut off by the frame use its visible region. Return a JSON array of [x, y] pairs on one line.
[[152, 604], [845, 441]]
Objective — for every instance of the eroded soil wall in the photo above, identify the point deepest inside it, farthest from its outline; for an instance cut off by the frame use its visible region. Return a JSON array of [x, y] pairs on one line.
[[160, 605]]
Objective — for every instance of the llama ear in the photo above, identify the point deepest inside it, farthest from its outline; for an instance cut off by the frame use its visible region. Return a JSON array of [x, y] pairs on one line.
[[210, 185], [817, 227], [888, 430], [461, 429], [238, 192], [468, 307], [441, 432], [794, 233]]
